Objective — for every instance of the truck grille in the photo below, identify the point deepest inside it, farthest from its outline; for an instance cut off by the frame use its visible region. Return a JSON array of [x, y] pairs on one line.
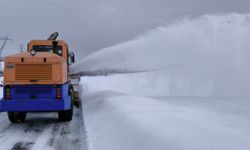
[[34, 72]]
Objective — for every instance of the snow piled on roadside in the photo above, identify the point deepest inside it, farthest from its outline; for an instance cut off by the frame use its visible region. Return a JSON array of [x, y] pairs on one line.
[[123, 112], [140, 83], [146, 84]]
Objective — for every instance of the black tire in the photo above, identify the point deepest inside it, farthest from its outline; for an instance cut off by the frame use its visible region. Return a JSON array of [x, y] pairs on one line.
[[77, 104], [66, 115], [16, 117]]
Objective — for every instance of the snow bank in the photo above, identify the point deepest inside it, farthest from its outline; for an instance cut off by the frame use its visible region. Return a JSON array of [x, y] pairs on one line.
[[144, 84], [121, 112], [211, 50]]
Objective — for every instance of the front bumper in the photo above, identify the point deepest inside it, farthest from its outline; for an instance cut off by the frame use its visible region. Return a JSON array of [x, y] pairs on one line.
[[34, 105]]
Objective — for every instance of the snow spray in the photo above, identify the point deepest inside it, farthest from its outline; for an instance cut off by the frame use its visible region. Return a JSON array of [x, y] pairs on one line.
[[209, 53]]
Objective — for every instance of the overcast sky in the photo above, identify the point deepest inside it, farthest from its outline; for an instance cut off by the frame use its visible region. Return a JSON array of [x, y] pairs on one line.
[[89, 25]]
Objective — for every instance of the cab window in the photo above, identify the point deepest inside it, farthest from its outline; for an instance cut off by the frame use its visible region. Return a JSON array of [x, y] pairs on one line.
[[48, 48]]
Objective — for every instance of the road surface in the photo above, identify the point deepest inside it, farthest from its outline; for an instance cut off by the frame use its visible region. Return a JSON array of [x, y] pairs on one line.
[[42, 131]]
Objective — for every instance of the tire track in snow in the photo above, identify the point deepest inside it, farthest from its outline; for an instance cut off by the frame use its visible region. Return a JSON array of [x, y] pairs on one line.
[[23, 135], [22, 146], [42, 131], [68, 135]]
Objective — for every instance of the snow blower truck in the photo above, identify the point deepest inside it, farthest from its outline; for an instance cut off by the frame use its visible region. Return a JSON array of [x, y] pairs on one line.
[[38, 80]]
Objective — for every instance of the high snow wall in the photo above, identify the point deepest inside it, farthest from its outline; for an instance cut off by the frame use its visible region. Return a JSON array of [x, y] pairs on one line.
[[207, 53]]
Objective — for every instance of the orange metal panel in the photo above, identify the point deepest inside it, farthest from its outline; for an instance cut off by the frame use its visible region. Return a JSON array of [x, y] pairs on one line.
[[43, 68]]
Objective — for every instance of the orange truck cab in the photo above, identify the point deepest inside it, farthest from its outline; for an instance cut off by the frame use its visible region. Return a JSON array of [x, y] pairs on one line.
[[38, 80]]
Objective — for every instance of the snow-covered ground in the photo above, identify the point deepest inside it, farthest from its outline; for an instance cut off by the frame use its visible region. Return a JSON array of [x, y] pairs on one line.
[[42, 131], [123, 112], [136, 112]]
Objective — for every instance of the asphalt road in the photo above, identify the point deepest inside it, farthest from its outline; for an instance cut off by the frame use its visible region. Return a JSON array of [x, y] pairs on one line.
[[43, 131]]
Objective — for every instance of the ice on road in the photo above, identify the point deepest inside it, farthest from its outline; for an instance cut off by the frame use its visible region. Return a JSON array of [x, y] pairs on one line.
[[122, 113]]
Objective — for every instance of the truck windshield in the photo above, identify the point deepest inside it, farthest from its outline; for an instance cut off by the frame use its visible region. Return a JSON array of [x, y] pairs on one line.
[[48, 48]]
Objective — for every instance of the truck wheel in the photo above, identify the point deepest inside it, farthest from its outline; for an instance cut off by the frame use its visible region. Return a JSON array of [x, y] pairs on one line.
[[16, 117], [77, 104], [66, 115]]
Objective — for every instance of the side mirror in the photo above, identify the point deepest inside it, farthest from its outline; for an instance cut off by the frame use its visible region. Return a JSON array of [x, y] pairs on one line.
[[71, 58]]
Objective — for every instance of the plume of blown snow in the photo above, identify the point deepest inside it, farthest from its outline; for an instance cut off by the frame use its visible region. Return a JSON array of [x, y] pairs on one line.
[[210, 51]]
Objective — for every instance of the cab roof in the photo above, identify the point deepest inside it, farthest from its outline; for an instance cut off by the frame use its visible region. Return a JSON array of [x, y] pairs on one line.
[[46, 42]]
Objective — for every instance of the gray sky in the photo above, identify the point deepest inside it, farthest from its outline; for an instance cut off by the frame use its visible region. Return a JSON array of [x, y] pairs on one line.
[[89, 25]]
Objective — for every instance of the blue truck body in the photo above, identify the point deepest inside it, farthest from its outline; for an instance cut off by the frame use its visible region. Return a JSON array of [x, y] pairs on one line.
[[34, 98]]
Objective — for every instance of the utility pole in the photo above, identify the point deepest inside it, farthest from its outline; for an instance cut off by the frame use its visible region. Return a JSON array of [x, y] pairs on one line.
[[5, 40], [21, 48]]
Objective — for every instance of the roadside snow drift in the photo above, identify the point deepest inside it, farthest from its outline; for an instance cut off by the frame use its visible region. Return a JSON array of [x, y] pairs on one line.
[[125, 112]]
